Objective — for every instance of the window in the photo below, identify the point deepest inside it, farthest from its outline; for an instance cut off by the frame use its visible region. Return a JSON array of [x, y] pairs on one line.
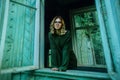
[[2, 2], [85, 30], [87, 42], [23, 43]]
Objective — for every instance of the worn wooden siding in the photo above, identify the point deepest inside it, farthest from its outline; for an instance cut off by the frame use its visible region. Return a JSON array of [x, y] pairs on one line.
[[116, 15], [113, 31], [29, 3], [108, 11], [19, 43], [2, 10], [36, 77], [102, 15], [113, 28], [2, 13], [53, 76], [5, 77], [113, 12], [47, 74]]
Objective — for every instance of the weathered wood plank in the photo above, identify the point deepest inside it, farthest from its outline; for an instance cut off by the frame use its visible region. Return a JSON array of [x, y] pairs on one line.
[[28, 3], [48, 74], [100, 5], [20, 37], [113, 31], [16, 76], [27, 77], [5, 77], [16, 46], [29, 37], [2, 10]]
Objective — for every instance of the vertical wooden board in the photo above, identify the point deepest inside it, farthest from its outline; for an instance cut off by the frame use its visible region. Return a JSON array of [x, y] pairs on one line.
[[12, 50], [37, 78], [102, 16], [19, 26], [28, 37], [16, 76], [19, 43], [27, 2], [2, 9], [27, 76], [5, 77], [12, 23], [47, 78], [114, 39], [8, 46]]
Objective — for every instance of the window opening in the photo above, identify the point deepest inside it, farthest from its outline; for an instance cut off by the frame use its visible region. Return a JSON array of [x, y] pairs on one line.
[[90, 52], [87, 38]]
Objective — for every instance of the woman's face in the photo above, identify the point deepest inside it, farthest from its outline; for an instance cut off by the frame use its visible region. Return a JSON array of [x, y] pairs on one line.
[[58, 24]]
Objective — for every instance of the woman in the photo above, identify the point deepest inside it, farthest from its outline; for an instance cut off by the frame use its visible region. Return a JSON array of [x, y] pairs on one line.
[[60, 44]]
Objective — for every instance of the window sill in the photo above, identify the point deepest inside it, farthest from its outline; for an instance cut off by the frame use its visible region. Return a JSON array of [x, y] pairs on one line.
[[72, 74]]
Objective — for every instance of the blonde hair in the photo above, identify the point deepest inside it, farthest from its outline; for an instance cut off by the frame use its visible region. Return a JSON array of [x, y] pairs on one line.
[[62, 30]]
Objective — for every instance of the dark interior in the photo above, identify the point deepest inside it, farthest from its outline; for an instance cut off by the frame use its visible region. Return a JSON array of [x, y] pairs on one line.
[[62, 8]]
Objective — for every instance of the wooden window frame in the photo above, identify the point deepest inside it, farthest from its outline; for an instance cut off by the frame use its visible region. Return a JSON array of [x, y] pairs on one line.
[[74, 28], [38, 40]]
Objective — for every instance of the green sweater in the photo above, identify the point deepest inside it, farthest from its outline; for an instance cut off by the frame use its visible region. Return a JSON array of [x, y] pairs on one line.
[[60, 46]]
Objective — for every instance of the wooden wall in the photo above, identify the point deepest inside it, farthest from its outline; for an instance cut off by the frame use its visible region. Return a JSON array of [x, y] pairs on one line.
[[2, 10], [49, 75]]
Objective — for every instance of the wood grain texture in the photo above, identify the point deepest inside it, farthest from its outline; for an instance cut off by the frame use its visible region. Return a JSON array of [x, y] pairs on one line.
[[19, 43]]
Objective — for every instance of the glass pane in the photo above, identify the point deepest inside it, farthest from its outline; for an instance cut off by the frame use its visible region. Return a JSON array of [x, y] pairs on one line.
[[85, 55], [98, 48], [86, 19], [89, 47]]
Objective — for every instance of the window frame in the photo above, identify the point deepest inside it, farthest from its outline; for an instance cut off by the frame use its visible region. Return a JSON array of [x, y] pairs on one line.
[[105, 43], [74, 29], [104, 35]]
